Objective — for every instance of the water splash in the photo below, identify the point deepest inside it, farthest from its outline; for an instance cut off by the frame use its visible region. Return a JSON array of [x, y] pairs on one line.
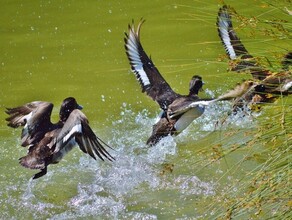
[[108, 189], [137, 170]]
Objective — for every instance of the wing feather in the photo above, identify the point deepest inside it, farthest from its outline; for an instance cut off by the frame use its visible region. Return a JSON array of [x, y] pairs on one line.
[[32, 116], [77, 126], [145, 71], [231, 42], [234, 47]]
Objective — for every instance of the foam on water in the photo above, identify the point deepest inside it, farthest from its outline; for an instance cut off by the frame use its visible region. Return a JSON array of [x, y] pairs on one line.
[[107, 187]]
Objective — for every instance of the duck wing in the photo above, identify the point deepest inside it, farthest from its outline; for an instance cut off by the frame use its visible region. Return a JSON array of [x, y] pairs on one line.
[[234, 47], [184, 104], [77, 126], [231, 42], [34, 116], [146, 73]]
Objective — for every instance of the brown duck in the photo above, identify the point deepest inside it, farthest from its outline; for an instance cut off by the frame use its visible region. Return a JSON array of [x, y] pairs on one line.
[[266, 86], [48, 143], [178, 111]]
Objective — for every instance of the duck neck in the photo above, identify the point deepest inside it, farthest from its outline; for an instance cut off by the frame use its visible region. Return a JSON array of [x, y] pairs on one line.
[[193, 93], [63, 115], [61, 121]]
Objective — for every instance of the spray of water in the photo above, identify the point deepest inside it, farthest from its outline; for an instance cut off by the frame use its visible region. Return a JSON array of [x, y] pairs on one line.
[[108, 189]]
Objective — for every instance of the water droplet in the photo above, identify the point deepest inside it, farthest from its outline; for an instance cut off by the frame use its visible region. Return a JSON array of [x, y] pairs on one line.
[[103, 98]]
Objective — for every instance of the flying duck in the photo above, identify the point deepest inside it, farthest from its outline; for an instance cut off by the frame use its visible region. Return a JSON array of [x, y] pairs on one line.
[[178, 111], [48, 143], [155, 86], [266, 86], [234, 48]]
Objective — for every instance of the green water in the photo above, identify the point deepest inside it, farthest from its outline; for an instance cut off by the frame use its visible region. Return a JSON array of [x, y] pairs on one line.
[[54, 49]]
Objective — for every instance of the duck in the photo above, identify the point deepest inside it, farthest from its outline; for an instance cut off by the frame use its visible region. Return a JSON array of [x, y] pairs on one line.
[[155, 86], [267, 86], [178, 115], [49, 142], [177, 111], [242, 60]]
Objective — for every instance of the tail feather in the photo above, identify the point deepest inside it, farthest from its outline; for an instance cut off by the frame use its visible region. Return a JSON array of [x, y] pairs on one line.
[[31, 162]]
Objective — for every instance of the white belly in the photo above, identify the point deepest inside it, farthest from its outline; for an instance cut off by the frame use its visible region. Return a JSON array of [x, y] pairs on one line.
[[60, 154], [187, 118]]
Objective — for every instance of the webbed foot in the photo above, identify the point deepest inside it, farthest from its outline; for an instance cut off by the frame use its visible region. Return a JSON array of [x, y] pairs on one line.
[[40, 174]]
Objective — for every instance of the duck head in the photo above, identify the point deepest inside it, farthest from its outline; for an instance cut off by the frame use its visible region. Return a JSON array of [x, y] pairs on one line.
[[68, 105], [196, 84]]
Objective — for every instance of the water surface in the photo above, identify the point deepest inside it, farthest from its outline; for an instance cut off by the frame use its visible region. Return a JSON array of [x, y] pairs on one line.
[[54, 49]]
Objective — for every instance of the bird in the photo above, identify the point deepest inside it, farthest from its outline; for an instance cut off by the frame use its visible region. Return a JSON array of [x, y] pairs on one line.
[[155, 86], [236, 51], [178, 115], [49, 142], [267, 86], [177, 111]]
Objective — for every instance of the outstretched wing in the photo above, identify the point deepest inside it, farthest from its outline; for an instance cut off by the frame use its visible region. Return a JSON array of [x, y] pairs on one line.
[[77, 126], [234, 48], [148, 75], [232, 44], [34, 116], [176, 109]]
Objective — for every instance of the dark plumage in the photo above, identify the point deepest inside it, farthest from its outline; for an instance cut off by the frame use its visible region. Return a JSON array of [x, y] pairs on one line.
[[155, 86], [178, 111], [266, 86], [48, 143], [234, 48], [287, 61], [179, 114]]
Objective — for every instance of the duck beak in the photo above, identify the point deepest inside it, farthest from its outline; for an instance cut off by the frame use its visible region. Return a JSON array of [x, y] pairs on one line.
[[80, 107]]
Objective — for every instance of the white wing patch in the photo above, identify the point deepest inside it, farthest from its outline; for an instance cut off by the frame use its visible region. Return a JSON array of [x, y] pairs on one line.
[[287, 86], [223, 25], [76, 129], [27, 117], [135, 59]]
